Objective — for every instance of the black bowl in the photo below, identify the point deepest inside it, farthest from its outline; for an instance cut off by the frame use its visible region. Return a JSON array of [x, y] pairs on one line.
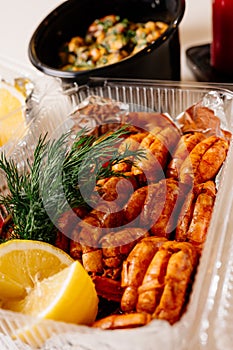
[[160, 60]]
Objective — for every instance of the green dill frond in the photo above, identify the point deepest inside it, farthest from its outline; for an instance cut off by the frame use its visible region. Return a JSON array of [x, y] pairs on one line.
[[59, 178], [24, 202]]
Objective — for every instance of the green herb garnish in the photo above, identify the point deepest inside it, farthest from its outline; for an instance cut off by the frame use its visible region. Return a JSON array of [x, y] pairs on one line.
[[57, 180]]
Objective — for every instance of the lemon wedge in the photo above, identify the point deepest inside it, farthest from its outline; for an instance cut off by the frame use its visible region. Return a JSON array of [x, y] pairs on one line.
[[68, 296], [46, 283], [12, 116]]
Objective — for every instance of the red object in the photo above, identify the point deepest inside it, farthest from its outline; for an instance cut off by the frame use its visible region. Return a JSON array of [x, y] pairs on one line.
[[1, 221], [222, 44]]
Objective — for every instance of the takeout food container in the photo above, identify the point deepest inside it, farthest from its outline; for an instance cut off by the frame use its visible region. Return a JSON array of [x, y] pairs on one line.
[[160, 60], [203, 324], [27, 79], [19, 79]]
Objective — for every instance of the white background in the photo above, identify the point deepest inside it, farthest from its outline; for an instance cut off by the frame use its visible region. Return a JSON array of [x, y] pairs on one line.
[[19, 19]]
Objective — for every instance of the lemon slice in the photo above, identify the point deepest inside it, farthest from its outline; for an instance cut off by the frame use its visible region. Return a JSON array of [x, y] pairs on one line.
[[54, 286], [23, 263], [12, 116], [68, 296]]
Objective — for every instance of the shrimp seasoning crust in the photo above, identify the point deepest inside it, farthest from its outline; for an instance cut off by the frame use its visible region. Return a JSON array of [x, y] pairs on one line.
[[139, 208]]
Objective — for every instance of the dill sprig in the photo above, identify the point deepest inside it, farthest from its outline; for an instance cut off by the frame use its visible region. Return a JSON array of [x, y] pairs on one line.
[[91, 159], [24, 201], [59, 178]]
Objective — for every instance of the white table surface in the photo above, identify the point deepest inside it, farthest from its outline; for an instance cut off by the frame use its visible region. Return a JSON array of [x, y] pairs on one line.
[[19, 19]]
